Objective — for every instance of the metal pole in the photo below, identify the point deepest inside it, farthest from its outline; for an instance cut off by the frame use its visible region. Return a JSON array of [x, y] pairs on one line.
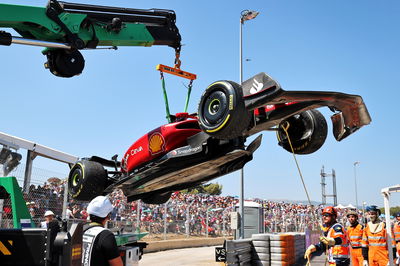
[[18, 40], [323, 184], [355, 182], [138, 207], [1, 212], [388, 227], [65, 201], [223, 223], [28, 170], [207, 224], [364, 212], [187, 222], [165, 219], [241, 201], [334, 187]]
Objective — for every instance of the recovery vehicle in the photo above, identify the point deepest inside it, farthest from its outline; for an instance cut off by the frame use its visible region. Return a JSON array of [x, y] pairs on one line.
[[65, 29]]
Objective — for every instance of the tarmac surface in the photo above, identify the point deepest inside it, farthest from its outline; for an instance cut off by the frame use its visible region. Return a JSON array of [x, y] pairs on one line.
[[198, 257], [180, 257]]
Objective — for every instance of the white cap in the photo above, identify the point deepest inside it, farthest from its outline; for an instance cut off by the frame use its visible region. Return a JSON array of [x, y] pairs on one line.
[[100, 206], [48, 213]]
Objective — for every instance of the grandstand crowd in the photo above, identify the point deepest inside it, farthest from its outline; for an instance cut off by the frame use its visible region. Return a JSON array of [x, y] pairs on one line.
[[194, 214]]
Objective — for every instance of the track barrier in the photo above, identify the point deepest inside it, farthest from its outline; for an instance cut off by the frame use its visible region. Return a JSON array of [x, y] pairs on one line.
[[267, 249]]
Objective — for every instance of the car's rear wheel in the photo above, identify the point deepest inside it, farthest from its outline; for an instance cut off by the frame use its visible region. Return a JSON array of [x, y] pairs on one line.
[[222, 113], [307, 131], [86, 180]]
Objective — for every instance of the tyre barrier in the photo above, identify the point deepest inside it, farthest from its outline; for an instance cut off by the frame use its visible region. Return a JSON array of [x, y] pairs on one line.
[[261, 252], [267, 250], [238, 252]]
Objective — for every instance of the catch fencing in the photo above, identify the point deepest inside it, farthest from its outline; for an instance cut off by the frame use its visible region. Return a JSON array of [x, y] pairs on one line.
[[175, 218]]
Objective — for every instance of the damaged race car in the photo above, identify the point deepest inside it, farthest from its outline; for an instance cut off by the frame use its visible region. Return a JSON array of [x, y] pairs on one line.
[[196, 148]]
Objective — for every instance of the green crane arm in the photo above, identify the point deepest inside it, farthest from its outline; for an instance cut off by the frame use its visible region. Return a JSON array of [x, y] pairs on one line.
[[69, 26]]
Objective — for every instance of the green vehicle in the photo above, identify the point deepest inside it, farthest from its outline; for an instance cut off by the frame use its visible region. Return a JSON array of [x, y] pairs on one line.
[[66, 28]]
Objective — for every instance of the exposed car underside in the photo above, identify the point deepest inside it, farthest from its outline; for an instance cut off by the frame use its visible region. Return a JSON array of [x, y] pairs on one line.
[[197, 148]]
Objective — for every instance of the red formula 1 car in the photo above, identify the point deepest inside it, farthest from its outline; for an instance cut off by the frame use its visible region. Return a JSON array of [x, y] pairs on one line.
[[196, 148]]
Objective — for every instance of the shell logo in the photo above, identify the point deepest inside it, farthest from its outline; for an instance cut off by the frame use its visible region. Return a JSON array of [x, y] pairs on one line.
[[156, 143]]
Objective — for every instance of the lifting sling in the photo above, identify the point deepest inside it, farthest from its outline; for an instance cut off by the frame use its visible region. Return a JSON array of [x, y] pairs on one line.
[[176, 71]]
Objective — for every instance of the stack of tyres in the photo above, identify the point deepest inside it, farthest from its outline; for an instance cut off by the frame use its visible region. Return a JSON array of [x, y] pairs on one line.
[[299, 247], [261, 250], [238, 252], [282, 250]]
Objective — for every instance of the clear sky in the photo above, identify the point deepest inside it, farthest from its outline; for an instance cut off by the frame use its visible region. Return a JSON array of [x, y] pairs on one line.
[[346, 46]]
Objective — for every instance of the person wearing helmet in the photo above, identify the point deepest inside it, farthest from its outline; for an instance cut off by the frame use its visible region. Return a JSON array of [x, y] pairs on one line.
[[334, 240], [396, 232], [374, 241], [99, 244], [354, 234]]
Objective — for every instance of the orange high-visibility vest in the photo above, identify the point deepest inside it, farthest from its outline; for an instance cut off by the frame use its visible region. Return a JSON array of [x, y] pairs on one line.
[[375, 240], [338, 251], [354, 235], [396, 231]]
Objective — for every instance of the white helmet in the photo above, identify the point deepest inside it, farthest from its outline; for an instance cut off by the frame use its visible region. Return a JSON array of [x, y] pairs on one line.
[[48, 213], [100, 206]]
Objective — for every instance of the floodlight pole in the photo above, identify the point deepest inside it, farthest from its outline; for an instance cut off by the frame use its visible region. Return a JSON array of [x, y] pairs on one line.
[[355, 181], [245, 15]]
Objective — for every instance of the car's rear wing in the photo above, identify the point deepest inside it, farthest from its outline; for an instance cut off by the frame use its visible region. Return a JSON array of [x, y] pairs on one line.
[[261, 90]]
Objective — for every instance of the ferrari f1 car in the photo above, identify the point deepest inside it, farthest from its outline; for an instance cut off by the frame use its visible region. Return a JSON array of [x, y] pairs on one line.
[[195, 148], [67, 28]]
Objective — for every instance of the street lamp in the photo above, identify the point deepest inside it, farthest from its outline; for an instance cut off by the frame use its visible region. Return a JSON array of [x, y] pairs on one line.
[[244, 16], [355, 181], [364, 219]]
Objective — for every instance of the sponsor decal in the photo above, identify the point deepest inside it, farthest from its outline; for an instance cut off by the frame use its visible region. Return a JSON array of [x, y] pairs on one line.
[[230, 102], [134, 151], [257, 86], [131, 153], [186, 151], [156, 143]]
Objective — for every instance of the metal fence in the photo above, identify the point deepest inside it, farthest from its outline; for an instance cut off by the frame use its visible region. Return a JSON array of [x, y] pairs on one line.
[[178, 217]]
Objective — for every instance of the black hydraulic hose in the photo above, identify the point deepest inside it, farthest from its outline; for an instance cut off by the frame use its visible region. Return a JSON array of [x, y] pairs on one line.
[[121, 10]]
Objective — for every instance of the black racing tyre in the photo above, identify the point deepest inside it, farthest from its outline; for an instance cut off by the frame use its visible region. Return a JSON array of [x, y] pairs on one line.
[[65, 63], [261, 243], [262, 250], [86, 180], [157, 198], [222, 113], [261, 237], [260, 263], [307, 131], [261, 256]]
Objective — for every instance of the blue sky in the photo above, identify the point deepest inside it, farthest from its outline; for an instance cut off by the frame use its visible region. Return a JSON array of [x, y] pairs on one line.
[[347, 46]]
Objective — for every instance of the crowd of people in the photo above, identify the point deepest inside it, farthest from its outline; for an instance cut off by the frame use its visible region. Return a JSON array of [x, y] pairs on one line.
[[194, 214]]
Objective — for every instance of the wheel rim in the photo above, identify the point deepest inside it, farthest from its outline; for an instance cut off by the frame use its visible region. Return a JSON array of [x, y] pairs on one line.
[[215, 108], [301, 128], [76, 177]]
